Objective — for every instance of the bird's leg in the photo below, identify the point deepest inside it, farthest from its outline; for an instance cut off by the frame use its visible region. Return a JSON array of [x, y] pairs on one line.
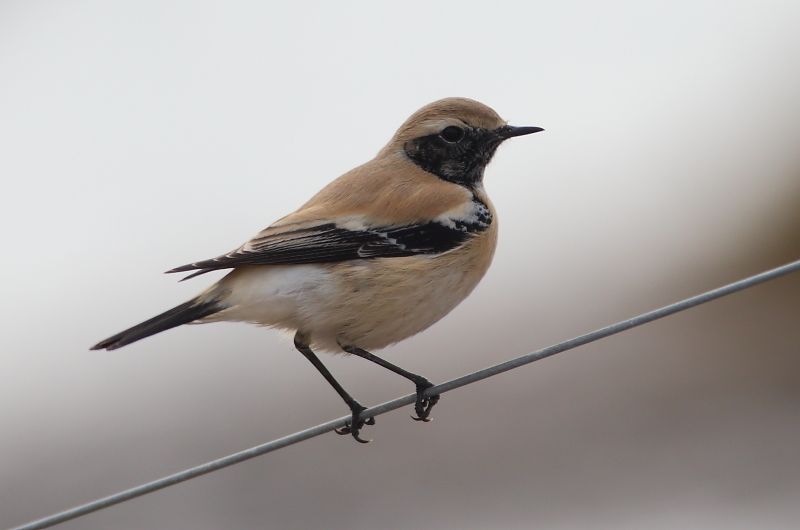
[[356, 408], [424, 404]]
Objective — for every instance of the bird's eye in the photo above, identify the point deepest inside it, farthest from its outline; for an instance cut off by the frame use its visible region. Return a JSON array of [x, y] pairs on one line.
[[452, 134]]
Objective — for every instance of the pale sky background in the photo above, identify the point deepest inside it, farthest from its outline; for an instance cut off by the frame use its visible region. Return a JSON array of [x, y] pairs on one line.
[[137, 136]]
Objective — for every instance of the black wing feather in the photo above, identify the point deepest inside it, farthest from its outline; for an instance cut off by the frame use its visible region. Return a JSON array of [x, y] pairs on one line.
[[327, 243]]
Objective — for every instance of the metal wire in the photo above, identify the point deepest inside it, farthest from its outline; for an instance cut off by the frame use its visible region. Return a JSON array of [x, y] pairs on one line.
[[323, 428]]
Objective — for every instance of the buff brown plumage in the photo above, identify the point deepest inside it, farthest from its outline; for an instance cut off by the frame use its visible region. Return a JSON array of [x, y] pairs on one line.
[[378, 255]]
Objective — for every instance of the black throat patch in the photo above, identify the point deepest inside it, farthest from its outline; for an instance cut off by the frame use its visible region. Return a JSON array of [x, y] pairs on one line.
[[462, 162]]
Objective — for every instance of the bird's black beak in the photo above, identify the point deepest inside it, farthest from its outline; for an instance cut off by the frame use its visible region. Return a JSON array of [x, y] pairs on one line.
[[509, 131]]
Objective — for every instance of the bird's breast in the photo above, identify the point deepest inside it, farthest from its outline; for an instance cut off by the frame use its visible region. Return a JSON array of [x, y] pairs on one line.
[[383, 301]]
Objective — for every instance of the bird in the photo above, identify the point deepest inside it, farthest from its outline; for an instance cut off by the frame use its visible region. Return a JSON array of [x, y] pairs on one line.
[[378, 255]]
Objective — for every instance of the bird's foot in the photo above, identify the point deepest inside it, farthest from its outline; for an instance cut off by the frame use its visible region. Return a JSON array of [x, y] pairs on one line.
[[353, 427], [423, 405]]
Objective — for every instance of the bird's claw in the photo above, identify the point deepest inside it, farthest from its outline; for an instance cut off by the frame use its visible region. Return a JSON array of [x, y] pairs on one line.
[[356, 421], [423, 405]]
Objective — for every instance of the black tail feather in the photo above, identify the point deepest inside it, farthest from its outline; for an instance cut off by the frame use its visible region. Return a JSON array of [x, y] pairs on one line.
[[182, 314]]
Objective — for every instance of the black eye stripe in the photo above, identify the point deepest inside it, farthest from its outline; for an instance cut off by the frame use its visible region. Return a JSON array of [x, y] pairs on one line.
[[461, 162], [452, 134]]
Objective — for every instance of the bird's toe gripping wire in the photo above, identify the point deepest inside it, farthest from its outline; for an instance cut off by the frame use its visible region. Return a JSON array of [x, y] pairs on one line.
[[424, 404], [353, 427]]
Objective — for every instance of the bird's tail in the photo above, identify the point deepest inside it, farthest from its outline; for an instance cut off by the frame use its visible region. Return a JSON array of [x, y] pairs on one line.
[[182, 314]]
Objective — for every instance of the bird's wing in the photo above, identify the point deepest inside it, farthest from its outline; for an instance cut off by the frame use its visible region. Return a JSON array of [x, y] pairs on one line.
[[350, 238], [384, 208]]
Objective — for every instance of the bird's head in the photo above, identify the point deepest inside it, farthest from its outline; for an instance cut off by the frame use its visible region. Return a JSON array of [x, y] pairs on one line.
[[454, 138]]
